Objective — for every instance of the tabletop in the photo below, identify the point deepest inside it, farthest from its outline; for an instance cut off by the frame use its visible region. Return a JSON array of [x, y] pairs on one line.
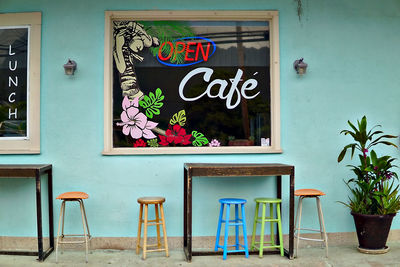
[[22, 170]]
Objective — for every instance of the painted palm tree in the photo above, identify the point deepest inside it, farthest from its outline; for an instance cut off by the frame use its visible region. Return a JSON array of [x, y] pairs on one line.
[[132, 37]]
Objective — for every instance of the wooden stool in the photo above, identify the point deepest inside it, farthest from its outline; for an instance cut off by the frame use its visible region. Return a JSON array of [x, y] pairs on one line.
[[158, 202], [310, 193], [236, 222], [271, 219], [78, 197]]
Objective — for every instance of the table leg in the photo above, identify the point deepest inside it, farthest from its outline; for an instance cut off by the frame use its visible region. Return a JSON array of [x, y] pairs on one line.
[[187, 215], [51, 219], [39, 216], [184, 208], [278, 195], [291, 215]]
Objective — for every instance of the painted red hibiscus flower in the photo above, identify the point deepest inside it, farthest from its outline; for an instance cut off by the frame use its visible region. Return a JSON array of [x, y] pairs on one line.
[[139, 143], [176, 135]]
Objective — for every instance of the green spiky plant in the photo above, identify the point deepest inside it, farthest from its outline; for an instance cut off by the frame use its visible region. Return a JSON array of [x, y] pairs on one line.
[[373, 188], [168, 31]]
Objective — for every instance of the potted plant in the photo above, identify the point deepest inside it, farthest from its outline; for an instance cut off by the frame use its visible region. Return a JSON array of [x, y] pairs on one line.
[[374, 199], [241, 142]]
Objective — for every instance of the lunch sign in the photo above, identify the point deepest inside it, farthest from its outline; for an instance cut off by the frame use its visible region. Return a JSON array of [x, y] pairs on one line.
[[190, 83], [13, 82]]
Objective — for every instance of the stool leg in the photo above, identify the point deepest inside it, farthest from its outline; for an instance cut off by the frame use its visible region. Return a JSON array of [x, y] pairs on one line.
[[298, 223], [164, 230], [62, 223], [139, 234], [253, 236], [84, 229], [322, 225], [221, 213], [157, 225], [278, 214], [262, 230], [87, 227], [61, 218], [246, 248], [228, 206], [237, 226], [271, 216], [145, 232], [319, 219]]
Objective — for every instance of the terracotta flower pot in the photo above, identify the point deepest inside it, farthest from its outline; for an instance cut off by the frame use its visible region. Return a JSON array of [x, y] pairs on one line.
[[372, 230], [241, 142]]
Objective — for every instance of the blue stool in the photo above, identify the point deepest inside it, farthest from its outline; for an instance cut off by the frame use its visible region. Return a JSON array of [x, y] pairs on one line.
[[236, 222]]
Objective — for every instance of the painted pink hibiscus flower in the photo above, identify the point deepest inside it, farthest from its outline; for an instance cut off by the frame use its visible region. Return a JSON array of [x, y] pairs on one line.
[[135, 123]]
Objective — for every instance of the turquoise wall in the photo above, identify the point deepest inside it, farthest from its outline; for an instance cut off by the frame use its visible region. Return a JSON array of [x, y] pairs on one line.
[[352, 51]]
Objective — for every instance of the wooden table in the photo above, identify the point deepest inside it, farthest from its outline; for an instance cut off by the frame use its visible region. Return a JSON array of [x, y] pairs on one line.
[[228, 170], [34, 171]]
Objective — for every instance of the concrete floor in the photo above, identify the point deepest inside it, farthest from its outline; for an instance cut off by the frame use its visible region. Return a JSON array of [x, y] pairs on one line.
[[343, 256]]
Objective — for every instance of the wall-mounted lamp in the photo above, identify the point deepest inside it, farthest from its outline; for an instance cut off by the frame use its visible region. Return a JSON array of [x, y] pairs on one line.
[[70, 67], [300, 66]]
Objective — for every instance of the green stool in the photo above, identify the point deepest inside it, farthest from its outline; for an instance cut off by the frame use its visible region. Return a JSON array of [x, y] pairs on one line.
[[262, 220]]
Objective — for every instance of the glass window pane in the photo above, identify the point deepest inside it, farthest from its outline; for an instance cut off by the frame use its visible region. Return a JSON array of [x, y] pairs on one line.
[[186, 83], [13, 82]]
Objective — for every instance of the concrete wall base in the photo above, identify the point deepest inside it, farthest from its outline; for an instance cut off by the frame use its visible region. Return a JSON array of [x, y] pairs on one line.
[[204, 242]]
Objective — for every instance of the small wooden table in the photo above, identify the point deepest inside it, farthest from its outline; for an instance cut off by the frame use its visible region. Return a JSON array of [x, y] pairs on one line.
[[34, 171], [228, 170]]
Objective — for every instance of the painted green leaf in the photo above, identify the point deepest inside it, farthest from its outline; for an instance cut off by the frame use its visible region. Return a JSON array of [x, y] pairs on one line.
[[152, 103], [153, 142], [179, 118], [151, 111], [199, 139]]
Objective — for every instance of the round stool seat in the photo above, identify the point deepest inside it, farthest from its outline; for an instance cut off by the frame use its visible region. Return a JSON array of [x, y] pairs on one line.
[[308, 192], [73, 195], [232, 201], [267, 200], [151, 200]]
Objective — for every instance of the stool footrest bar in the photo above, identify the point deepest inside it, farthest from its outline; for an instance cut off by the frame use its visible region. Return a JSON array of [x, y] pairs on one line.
[[219, 246], [277, 246], [267, 220], [265, 242], [233, 221], [151, 224], [153, 250], [72, 235], [308, 229], [309, 239], [151, 245], [235, 224], [151, 221], [72, 242], [236, 250]]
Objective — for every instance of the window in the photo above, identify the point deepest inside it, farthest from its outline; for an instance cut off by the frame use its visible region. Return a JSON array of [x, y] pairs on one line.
[[179, 82], [20, 83]]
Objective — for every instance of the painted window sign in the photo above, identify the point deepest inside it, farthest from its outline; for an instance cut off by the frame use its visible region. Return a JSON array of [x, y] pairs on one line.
[[13, 82], [191, 83]]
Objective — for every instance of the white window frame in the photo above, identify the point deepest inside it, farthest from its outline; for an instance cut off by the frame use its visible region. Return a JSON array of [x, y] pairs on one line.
[[271, 16], [31, 143]]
